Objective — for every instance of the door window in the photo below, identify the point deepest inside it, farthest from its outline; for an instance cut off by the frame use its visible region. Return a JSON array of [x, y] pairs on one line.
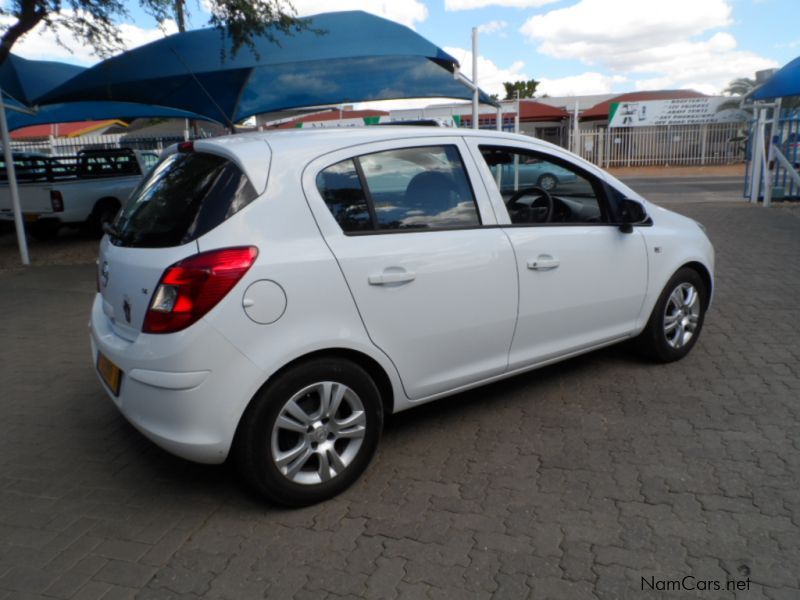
[[404, 189], [540, 189]]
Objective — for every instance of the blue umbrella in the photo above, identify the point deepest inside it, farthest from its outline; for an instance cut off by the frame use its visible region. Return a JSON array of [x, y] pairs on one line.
[[344, 57], [785, 82]]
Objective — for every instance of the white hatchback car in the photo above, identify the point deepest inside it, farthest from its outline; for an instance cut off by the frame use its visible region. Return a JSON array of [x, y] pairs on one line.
[[272, 296]]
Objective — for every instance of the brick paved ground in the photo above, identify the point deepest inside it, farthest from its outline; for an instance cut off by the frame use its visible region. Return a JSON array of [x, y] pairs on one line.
[[572, 482]]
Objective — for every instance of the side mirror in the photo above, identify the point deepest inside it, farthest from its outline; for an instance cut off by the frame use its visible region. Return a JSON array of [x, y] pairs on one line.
[[631, 213]]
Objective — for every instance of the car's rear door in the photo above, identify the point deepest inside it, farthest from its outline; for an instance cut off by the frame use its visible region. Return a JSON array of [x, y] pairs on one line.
[[436, 290]]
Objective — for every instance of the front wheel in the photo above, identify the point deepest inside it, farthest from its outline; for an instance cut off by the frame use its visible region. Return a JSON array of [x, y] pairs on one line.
[[310, 433], [677, 318]]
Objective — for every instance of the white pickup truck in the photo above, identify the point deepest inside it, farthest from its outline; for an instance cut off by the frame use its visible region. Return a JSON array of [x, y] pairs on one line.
[[85, 190]]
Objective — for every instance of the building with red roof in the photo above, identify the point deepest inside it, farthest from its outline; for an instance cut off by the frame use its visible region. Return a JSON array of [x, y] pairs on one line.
[[76, 129]]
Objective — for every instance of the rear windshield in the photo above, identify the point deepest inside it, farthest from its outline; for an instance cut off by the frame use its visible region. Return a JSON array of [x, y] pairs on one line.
[[184, 197]]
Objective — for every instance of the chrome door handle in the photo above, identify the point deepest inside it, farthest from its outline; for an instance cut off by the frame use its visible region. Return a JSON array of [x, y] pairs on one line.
[[388, 277], [543, 262]]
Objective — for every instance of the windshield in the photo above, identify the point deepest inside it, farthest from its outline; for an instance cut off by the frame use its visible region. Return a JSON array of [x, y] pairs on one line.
[[184, 197]]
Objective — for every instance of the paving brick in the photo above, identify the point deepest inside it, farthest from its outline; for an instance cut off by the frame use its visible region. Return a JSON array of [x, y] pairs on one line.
[[569, 482]]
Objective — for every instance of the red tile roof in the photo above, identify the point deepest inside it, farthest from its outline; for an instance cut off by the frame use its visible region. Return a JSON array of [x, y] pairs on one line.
[[64, 129], [332, 115], [529, 110], [600, 111]]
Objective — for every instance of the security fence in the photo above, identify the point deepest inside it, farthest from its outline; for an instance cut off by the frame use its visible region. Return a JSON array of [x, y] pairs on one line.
[[712, 144], [71, 146]]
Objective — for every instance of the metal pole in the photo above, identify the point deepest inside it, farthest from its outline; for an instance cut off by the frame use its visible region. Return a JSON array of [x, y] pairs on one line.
[[758, 155], [11, 174], [774, 137], [516, 116], [576, 135], [475, 77], [499, 118]]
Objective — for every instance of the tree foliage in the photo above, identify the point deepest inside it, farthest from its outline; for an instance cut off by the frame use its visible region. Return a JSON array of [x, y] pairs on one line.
[[526, 89], [96, 22]]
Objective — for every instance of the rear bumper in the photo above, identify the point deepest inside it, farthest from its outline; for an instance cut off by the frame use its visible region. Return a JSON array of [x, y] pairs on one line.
[[185, 391]]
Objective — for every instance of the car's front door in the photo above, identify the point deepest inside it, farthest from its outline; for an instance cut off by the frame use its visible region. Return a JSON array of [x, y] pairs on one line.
[[436, 290], [582, 280]]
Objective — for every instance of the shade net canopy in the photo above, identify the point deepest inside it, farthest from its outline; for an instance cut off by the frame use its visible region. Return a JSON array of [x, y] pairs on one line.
[[23, 80], [785, 82], [348, 56], [94, 111]]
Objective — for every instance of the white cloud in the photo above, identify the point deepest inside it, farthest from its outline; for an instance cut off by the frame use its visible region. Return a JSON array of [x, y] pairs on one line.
[[579, 85], [490, 76], [405, 12], [659, 41], [492, 26], [471, 4], [41, 44]]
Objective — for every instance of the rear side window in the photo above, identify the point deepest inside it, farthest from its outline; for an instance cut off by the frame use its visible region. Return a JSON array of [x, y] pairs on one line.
[[405, 189], [341, 189], [184, 197]]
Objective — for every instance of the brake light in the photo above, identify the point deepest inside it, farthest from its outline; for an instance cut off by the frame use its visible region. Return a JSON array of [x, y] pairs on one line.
[[192, 287], [56, 201], [186, 147]]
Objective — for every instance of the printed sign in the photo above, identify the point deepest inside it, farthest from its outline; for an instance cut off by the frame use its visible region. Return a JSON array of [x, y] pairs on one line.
[[678, 111]]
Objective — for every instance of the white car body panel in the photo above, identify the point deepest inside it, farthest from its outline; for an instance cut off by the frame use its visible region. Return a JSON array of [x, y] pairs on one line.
[[450, 329], [436, 328]]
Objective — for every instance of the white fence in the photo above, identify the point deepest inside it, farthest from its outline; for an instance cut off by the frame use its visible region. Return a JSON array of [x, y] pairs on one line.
[[71, 146], [715, 144]]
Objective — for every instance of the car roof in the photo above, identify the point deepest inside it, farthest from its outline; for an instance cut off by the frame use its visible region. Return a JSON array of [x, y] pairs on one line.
[[323, 140]]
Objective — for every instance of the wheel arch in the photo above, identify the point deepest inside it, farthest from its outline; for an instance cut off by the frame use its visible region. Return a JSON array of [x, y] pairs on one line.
[[366, 362], [705, 275]]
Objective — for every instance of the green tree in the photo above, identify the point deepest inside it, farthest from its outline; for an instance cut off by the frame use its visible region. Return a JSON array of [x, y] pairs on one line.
[[526, 89], [96, 22], [740, 87]]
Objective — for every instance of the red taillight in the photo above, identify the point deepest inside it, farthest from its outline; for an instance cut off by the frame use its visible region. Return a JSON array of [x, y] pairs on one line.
[[186, 147], [192, 287], [56, 201]]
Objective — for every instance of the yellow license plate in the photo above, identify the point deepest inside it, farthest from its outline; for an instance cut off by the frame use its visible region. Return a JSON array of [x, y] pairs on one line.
[[30, 217], [111, 373]]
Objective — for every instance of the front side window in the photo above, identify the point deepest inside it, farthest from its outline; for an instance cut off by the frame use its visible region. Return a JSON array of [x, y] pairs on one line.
[[405, 189], [184, 197], [537, 188]]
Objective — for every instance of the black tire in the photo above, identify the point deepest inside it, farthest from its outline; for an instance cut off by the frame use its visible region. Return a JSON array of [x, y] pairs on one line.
[[547, 182], [654, 342], [44, 229], [256, 436], [104, 212]]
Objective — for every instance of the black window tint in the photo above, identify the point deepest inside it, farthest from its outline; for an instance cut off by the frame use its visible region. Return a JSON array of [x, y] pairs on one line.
[[341, 189], [184, 197], [420, 188]]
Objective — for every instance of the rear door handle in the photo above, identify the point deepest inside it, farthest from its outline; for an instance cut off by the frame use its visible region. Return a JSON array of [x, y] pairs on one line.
[[388, 277], [543, 262]]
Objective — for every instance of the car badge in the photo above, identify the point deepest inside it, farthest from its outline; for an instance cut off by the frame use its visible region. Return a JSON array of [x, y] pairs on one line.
[[126, 308], [104, 273]]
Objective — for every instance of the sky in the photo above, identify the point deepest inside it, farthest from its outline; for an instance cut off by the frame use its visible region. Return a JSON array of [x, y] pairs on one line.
[[572, 47]]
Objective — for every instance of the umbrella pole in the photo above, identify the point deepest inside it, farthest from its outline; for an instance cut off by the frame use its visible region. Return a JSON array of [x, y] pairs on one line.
[[11, 175]]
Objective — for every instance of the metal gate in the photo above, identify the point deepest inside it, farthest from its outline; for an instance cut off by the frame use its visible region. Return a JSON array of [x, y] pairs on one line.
[[712, 144]]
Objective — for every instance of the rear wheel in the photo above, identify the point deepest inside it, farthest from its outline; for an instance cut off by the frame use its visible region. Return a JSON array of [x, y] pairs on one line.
[[104, 212], [547, 182], [677, 318], [309, 434]]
